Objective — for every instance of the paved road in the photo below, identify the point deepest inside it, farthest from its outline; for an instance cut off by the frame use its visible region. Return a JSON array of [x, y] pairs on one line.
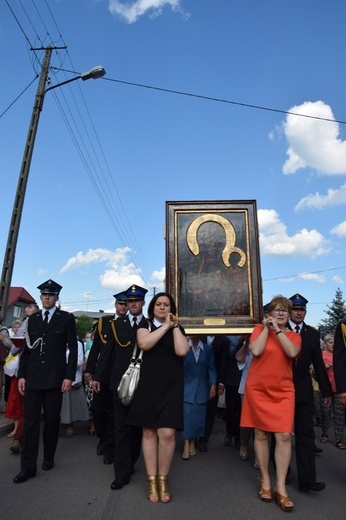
[[216, 484]]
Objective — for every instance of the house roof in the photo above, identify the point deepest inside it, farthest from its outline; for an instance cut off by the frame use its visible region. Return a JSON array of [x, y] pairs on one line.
[[91, 314], [19, 293]]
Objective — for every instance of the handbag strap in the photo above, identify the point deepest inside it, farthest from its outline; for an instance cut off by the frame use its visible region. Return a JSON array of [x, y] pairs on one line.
[[134, 353]]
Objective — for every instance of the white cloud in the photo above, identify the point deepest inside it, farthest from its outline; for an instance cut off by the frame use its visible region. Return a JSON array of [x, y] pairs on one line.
[[340, 229], [120, 273], [338, 279], [312, 276], [93, 256], [314, 143], [132, 11], [274, 239], [121, 278], [318, 201], [159, 276]]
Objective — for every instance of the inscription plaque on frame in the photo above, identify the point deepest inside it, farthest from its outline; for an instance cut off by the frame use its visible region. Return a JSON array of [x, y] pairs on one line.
[[213, 265]]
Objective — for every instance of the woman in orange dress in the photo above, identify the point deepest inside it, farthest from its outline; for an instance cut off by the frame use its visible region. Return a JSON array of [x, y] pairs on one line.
[[268, 404]]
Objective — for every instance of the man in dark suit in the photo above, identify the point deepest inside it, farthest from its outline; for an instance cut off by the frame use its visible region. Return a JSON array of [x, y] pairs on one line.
[[220, 344], [339, 360], [102, 403], [43, 376], [303, 417], [127, 439]]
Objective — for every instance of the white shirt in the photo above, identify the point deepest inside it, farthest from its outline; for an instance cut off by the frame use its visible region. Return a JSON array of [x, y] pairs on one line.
[[294, 325], [51, 312], [196, 351]]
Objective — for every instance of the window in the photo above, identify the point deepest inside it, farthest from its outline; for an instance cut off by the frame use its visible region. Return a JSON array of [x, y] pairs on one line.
[[17, 311]]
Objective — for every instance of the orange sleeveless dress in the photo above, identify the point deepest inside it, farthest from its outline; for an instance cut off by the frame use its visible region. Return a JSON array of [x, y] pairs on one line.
[[268, 402]]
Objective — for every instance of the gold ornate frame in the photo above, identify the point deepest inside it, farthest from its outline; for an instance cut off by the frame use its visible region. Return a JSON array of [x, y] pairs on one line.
[[213, 265]]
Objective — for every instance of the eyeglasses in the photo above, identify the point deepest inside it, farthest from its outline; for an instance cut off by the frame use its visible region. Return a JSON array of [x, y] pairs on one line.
[[282, 311]]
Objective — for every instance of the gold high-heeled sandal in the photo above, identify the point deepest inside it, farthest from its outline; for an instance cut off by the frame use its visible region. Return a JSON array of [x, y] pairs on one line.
[[164, 491], [153, 491]]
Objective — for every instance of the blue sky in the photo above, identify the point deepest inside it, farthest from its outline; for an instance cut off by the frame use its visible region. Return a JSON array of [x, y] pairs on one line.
[[109, 154]]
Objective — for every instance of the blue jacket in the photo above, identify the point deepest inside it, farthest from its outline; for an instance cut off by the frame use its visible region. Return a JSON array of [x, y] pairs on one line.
[[198, 377]]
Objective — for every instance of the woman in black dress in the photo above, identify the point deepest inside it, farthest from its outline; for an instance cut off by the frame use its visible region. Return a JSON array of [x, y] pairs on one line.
[[158, 402]]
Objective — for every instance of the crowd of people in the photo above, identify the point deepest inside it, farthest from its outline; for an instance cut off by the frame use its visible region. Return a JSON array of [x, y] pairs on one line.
[[265, 377]]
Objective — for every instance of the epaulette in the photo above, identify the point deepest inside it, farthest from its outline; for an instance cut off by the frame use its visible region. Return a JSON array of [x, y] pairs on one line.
[[99, 328]]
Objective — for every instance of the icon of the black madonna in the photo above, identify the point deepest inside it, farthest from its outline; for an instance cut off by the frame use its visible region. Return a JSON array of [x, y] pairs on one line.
[[212, 264]]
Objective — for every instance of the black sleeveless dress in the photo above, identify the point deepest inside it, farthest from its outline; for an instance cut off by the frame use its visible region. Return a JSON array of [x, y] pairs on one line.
[[158, 401]]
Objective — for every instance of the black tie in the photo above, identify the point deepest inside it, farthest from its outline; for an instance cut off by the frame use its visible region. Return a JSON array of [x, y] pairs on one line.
[[297, 329], [134, 321], [46, 315]]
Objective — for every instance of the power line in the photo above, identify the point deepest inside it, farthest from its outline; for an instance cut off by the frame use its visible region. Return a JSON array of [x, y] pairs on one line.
[[219, 100], [16, 99], [300, 274], [91, 160]]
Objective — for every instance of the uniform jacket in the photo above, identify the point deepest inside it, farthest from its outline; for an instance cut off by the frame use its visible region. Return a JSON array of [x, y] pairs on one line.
[[310, 353], [115, 358], [45, 366], [198, 377], [339, 359], [103, 334]]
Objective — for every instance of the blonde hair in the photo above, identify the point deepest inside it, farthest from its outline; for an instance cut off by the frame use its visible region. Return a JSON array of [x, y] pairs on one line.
[[280, 300], [327, 337]]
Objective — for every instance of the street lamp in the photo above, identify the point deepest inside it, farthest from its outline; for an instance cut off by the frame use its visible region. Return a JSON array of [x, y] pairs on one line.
[[94, 73], [10, 252]]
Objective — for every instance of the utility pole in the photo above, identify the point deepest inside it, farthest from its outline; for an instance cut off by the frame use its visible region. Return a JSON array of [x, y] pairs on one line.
[[10, 253], [7, 268]]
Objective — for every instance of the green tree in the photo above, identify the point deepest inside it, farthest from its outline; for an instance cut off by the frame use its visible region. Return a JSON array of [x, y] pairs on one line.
[[336, 312], [83, 324]]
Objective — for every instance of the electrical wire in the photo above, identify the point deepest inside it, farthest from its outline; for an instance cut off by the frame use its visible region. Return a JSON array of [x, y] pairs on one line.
[[104, 185], [16, 99], [218, 100], [300, 274]]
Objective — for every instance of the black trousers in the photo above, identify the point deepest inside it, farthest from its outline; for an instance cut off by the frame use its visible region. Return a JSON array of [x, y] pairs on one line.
[[102, 410], [233, 411], [210, 418], [304, 442], [127, 441], [34, 400]]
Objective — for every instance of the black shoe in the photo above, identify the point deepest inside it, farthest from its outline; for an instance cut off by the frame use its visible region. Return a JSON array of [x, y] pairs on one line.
[[203, 447], [24, 475], [119, 483], [47, 465], [227, 440], [317, 450], [15, 447], [312, 486], [99, 449], [107, 460]]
